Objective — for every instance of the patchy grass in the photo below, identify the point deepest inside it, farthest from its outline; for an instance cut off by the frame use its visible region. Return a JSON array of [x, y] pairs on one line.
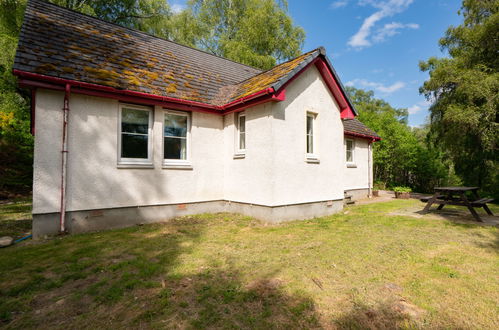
[[358, 269], [15, 217]]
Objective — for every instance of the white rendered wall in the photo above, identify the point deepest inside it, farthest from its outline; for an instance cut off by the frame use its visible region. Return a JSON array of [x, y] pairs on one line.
[[94, 179], [274, 170], [250, 179], [358, 177], [296, 179]]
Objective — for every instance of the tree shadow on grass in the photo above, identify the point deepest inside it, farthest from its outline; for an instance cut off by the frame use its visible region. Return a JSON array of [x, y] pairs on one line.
[[137, 277], [389, 314]]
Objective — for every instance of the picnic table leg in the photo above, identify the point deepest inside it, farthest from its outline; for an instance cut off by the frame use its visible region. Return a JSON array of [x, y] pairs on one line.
[[468, 205], [447, 197], [430, 202], [486, 208]]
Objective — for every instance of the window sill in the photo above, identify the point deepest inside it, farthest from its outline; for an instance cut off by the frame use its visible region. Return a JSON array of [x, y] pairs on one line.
[[177, 165], [135, 165], [239, 155], [313, 159], [351, 165]]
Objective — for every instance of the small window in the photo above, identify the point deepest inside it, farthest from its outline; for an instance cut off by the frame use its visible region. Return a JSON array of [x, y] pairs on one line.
[[310, 133], [241, 132], [135, 135], [350, 148], [176, 134]]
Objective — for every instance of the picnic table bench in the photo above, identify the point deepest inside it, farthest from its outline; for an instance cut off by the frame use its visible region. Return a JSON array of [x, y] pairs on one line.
[[457, 196]]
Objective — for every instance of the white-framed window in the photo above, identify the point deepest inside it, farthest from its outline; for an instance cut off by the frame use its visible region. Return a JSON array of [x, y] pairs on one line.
[[135, 135], [176, 138], [350, 151], [311, 132], [240, 133]]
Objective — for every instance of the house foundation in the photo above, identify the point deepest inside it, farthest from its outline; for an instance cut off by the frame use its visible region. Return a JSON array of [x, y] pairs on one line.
[[113, 218]]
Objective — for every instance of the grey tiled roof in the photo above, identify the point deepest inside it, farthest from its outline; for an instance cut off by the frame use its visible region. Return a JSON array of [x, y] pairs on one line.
[[58, 42], [62, 43], [354, 126]]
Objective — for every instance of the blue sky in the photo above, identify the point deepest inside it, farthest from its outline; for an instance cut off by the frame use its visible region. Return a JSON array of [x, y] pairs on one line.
[[377, 44]]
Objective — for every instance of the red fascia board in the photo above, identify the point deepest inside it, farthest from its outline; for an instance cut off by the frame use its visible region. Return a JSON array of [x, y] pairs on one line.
[[334, 87], [276, 97], [265, 91], [84, 85], [38, 80], [119, 97], [363, 136], [345, 111]]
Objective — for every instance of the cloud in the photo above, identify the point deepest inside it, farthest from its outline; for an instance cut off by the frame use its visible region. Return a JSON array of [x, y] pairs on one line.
[[378, 87], [177, 8], [386, 8], [423, 105], [338, 4], [414, 109], [391, 29]]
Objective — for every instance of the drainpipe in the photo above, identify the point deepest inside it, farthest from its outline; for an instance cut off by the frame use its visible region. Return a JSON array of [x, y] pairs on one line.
[[369, 179], [64, 157]]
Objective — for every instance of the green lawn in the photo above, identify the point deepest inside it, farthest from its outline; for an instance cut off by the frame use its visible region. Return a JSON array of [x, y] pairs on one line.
[[358, 269], [15, 218]]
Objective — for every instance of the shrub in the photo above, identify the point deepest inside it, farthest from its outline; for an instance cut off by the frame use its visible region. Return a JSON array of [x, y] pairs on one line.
[[402, 189]]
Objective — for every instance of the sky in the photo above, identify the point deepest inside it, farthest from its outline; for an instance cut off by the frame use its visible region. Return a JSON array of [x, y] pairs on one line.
[[377, 44]]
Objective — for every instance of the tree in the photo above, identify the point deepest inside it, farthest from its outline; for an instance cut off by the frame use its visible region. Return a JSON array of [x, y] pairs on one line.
[[464, 91], [403, 156], [152, 16], [16, 143], [254, 32]]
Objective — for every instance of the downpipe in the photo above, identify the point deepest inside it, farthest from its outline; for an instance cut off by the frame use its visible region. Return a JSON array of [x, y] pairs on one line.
[[64, 158]]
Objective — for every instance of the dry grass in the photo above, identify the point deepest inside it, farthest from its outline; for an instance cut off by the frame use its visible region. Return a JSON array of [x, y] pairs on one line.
[[358, 269]]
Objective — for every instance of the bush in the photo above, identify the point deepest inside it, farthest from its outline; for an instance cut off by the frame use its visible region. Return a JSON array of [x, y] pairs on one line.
[[402, 189]]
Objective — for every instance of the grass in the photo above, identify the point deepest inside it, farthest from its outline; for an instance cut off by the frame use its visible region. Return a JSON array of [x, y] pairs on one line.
[[358, 269], [15, 217]]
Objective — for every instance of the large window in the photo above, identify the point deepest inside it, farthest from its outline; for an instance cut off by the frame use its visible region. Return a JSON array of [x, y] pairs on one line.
[[176, 137], [241, 132], [350, 151], [135, 141]]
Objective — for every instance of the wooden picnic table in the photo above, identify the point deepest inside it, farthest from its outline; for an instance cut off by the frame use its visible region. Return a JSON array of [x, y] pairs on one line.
[[457, 196]]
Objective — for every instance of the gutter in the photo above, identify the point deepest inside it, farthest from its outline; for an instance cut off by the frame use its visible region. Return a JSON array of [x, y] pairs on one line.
[[364, 136], [34, 80]]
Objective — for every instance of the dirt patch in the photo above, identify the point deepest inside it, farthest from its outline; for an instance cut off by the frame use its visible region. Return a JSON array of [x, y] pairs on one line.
[[462, 216]]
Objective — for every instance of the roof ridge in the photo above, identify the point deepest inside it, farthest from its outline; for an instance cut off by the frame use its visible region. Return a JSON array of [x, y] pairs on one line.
[[142, 32]]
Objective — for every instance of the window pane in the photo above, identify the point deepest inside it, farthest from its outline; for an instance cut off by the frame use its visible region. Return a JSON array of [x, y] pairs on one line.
[[175, 148], [310, 146], [134, 121], [175, 125], [242, 141], [310, 125], [349, 145], [134, 146], [242, 124], [349, 156]]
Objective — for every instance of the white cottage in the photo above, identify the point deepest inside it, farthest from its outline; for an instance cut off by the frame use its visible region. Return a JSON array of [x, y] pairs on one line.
[[130, 128]]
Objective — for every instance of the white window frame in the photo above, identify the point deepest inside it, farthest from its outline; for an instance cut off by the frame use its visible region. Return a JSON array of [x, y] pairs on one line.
[[177, 163], [350, 163], [313, 156], [136, 162], [238, 151]]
